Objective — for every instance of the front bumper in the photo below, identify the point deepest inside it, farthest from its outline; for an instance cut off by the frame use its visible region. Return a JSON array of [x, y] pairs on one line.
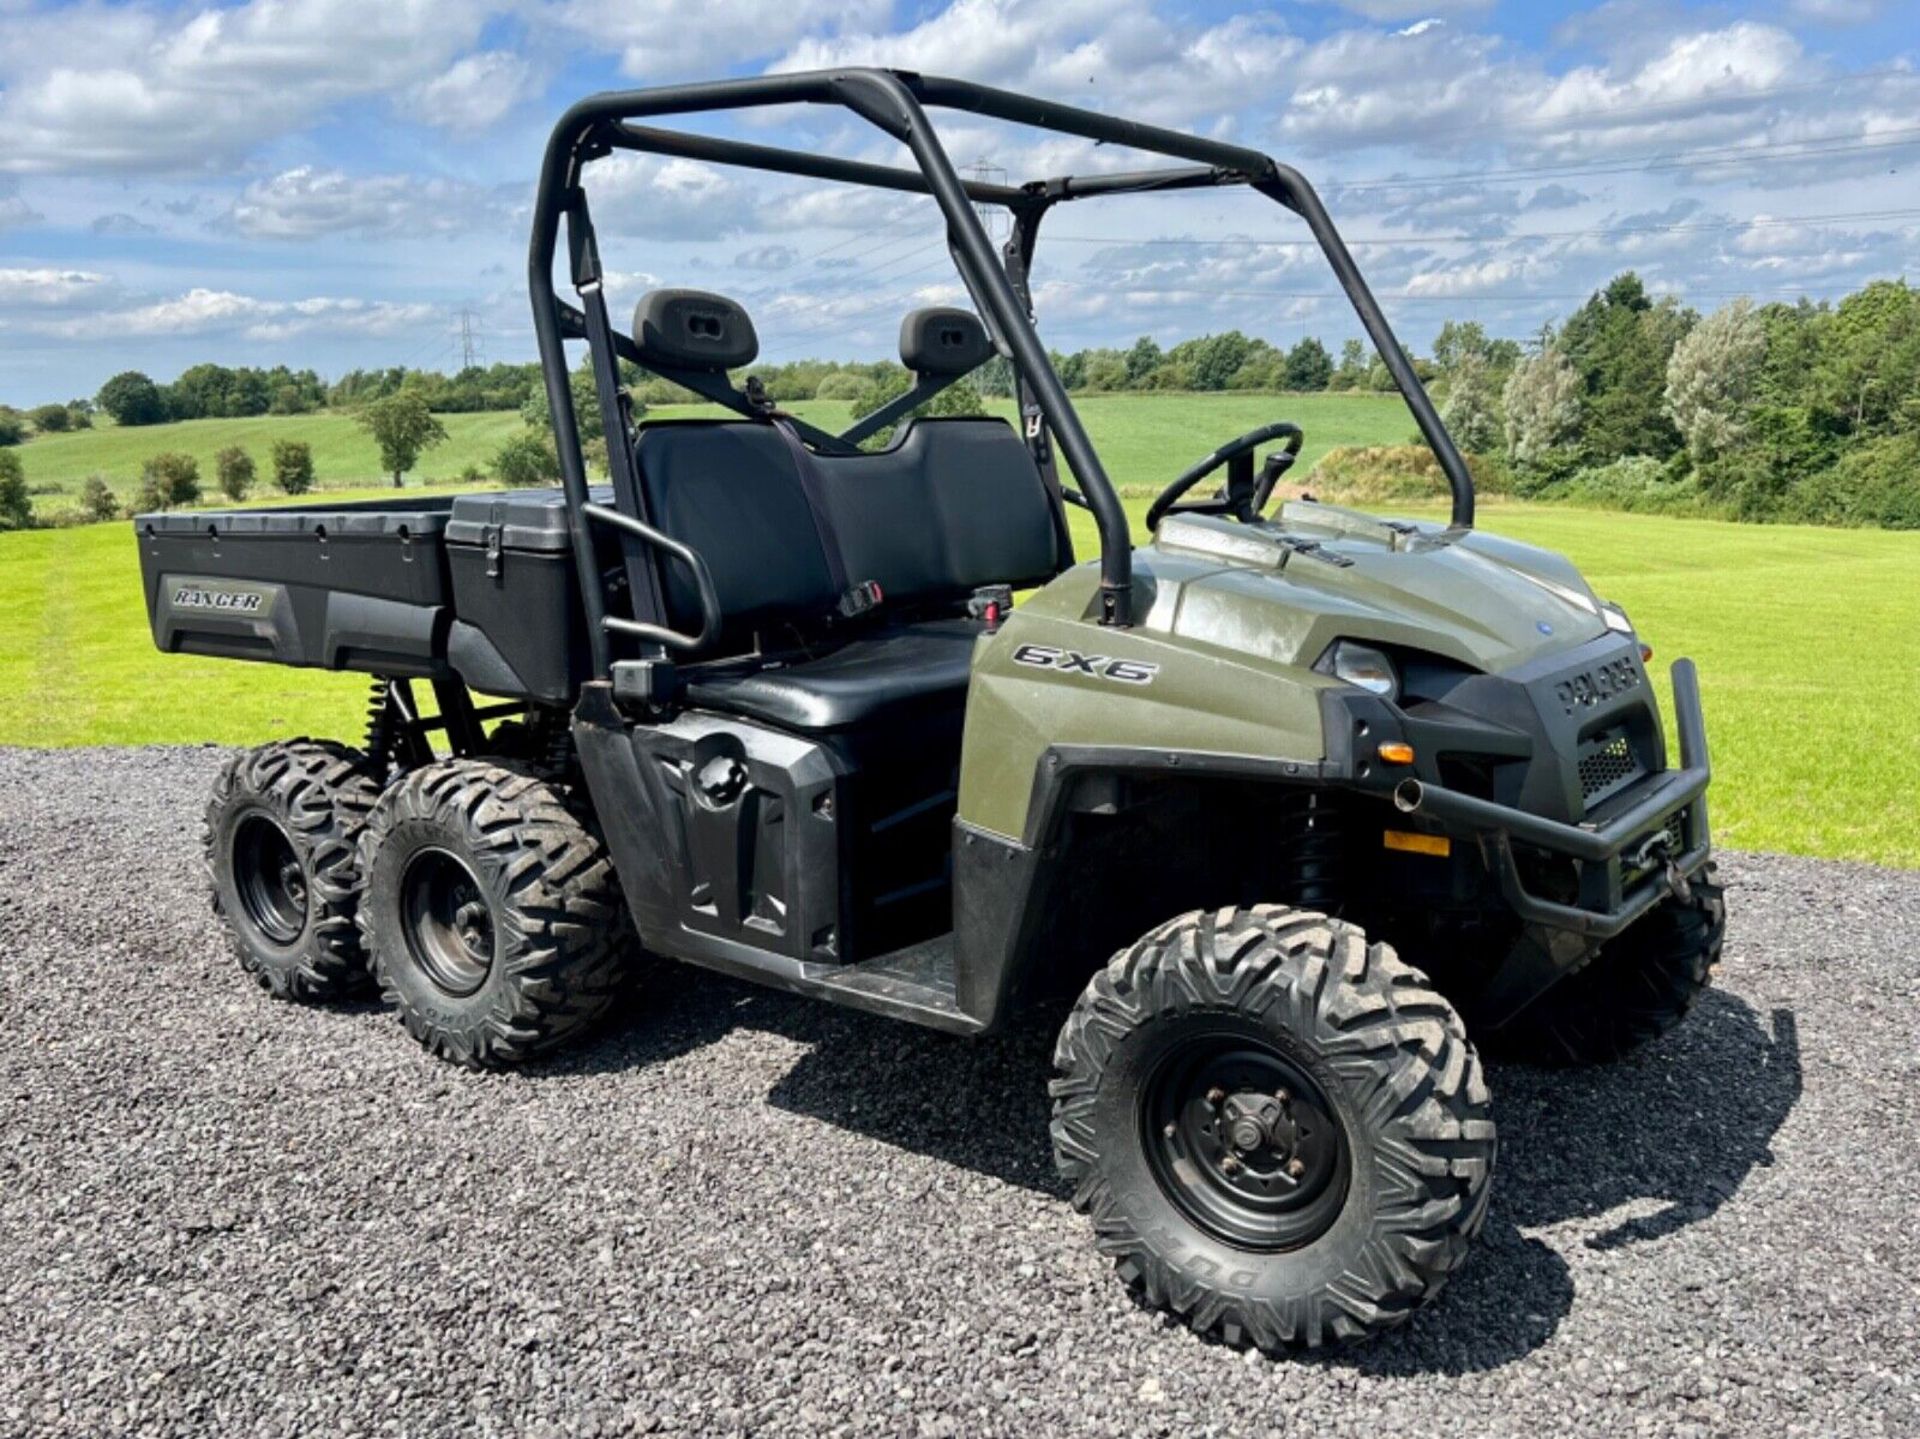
[[1648, 845]]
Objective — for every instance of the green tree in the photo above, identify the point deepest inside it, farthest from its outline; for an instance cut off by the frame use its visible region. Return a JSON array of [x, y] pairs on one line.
[[1143, 359], [293, 466], [1472, 410], [133, 399], [403, 427], [1712, 378], [1619, 344], [97, 500], [1309, 366], [13, 426], [960, 398], [51, 419], [526, 459], [167, 481], [1351, 372], [16, 510], [233, 469], [1867, 376], [1542, 401]]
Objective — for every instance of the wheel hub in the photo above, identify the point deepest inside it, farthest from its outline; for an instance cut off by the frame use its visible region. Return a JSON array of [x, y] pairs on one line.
[[1246, 1142], [447, 922], [269, 879]]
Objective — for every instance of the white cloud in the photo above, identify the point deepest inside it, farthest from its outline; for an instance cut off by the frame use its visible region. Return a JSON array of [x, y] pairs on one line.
[[210, 312], [307, 203], [1386, 10], [668, 199], [14, 209], [475, 92], [155, 94], [49, 287], [694, 39]]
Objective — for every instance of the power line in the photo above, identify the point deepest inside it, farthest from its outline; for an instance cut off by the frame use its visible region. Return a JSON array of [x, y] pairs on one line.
[[1811, 222], [1714, 157], [1693, 103]]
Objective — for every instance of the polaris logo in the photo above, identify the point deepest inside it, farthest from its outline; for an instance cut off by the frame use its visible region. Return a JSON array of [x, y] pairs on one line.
[[1100, 667], [229, 602], [1594, 686]]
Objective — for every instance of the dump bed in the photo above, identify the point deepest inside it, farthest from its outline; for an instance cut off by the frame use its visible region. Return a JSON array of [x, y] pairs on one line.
[[478, 587]]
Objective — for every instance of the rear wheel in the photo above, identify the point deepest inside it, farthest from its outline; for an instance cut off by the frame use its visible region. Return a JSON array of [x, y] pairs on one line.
[[1280, 1131], [1641, 984], [280, 838], [491, 911]]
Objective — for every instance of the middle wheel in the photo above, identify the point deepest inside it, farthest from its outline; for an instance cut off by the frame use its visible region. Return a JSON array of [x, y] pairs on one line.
[[490, 911]]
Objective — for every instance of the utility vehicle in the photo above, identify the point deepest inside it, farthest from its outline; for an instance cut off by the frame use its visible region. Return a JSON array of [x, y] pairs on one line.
[[762, 702]]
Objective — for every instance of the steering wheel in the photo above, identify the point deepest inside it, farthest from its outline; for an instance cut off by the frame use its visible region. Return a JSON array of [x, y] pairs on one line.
[[1243, 497]]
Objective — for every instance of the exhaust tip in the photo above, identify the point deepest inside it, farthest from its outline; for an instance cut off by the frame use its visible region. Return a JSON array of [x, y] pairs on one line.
[[1407, 796]]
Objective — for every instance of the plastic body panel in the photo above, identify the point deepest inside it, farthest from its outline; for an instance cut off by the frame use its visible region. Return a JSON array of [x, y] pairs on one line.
[[476, 587]]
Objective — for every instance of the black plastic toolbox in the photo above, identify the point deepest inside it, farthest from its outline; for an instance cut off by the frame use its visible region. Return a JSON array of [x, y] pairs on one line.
[[480, 587]]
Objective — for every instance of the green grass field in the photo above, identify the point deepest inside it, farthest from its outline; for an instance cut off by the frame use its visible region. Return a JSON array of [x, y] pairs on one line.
[[1808, 641], [1145, 438], [343, 453]]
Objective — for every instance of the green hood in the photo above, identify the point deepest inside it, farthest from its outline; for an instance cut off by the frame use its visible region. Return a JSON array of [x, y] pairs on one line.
[[1485, 601]]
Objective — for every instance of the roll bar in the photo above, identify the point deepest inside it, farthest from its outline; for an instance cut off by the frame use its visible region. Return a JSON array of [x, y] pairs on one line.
[[896, 102]]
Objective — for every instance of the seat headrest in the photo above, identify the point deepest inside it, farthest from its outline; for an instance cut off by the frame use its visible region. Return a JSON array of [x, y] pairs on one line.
[[943, 341], [693, 330]]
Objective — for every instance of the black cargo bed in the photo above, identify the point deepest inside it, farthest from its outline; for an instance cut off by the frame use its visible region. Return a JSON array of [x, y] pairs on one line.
[[478, 587]]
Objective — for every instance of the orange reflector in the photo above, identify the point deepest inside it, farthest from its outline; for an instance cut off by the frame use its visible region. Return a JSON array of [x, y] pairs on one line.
[[1406, 841], [1396, 751], [1646, 652]]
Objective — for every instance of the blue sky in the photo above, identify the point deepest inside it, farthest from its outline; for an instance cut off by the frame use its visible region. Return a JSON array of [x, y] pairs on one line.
[[336, 182]]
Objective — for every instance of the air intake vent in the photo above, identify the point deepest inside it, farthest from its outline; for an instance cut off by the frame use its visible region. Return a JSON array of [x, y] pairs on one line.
[[1607, 765]]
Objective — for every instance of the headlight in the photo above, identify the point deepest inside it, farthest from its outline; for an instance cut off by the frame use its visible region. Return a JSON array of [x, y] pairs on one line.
[[1616, 618], [1362, 666]]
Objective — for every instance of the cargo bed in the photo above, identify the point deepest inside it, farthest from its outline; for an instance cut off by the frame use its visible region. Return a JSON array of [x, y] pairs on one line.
[[477, 587]]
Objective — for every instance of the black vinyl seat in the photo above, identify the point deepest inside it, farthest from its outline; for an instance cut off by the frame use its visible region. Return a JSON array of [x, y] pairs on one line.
[[899, 673]]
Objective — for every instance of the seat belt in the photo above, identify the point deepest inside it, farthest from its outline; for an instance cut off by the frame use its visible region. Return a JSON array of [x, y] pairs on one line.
[[855, 597]]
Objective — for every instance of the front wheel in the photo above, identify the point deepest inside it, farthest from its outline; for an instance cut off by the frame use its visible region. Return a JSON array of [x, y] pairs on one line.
[[1280, 1132]]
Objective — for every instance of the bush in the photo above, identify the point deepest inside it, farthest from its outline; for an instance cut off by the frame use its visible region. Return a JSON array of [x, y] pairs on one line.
[[97, 500], [527, 459], [168, 480], [233, 467], [473, 475], [13, 426], [16, 510], [1875, 483], [1638, 483], [293, 466], [1375, 474], [840, 385], [51, 419]]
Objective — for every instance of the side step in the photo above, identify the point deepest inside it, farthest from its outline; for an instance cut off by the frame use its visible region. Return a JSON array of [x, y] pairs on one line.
[[915, 983]]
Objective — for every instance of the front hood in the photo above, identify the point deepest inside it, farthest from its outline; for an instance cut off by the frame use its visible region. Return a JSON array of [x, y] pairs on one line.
[[1287, 588]]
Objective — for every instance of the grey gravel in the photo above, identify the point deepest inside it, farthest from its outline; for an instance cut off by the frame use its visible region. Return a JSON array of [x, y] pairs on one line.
[[735, 1212]]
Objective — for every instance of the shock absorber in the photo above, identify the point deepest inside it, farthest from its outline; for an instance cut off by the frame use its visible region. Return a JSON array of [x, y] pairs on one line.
[[382, 730], [1312, 846]]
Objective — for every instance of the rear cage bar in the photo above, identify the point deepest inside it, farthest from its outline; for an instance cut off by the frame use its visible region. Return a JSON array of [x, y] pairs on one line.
[[894, 102]]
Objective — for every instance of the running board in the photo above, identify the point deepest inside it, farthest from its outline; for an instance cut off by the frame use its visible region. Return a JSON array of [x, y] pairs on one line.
[[915, 984]]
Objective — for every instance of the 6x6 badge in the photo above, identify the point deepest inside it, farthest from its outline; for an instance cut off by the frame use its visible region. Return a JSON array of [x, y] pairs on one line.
[[1100, 667]]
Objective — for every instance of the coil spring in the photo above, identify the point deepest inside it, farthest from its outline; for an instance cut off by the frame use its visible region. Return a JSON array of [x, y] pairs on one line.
[[382, 732], [1312, 847]]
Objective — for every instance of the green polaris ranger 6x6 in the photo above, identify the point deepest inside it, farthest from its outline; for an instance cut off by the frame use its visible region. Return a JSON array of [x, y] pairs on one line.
[[1300, 805]]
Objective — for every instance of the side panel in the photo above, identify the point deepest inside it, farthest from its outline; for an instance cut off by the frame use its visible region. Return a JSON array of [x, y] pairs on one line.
[[1049, 681]]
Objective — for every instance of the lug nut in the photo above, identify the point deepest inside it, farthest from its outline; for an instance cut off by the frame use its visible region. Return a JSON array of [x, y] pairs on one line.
[[1230, 1164], [1296, 1167], [1283, 1096], [1170, 1131], [1215, 1096]]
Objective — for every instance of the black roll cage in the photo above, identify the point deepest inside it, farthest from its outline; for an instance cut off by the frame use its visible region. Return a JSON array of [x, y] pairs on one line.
[[896, 102]]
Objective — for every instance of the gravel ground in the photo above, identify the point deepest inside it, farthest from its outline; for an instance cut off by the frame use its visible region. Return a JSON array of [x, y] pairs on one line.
[[738, 1212]]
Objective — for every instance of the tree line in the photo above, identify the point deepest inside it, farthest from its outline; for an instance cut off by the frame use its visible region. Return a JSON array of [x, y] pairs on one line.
[[1803, 411]]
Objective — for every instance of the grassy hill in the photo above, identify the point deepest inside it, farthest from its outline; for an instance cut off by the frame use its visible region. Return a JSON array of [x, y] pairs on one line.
[[1804, 655], [1145, 438]]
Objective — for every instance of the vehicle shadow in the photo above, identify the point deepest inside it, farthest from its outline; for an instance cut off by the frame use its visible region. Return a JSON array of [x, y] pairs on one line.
[[1665, 1137]]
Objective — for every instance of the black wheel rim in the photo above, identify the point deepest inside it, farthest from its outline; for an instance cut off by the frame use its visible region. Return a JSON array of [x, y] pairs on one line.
[[447, 922], [1245, 1143], [270, 880]]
